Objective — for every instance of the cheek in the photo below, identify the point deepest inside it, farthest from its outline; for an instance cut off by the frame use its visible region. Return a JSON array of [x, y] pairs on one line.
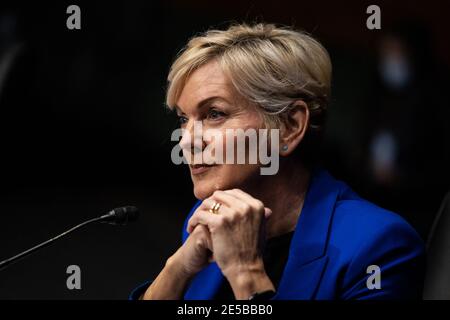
[[239, 142]]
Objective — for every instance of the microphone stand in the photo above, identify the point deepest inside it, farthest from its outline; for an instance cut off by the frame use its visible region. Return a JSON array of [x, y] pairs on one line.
[[5, 263]]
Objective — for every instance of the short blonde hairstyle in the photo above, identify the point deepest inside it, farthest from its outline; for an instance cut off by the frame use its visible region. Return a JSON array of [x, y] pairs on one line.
[[269, 66]]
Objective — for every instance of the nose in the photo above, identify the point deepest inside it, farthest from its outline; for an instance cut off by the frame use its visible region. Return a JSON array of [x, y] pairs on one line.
[[192, 139]]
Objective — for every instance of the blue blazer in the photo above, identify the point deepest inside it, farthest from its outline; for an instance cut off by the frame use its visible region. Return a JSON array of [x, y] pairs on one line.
[[337, 238]]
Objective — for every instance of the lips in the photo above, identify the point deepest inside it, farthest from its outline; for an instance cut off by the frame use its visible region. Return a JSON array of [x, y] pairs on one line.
[[200, 168]]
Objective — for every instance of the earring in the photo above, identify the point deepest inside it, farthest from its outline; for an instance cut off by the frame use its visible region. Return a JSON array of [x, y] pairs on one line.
[[285, 147]]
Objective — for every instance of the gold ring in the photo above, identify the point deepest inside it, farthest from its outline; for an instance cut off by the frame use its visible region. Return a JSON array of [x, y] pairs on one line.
[[215, 208]]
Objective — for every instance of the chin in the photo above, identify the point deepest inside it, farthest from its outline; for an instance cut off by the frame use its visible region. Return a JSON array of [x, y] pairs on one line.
[[205, 188], [202, 193], [206, 183], [222, 178]]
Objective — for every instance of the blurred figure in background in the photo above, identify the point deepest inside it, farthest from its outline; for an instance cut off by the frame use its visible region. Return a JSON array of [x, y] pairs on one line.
[[10, 45], [407, 139]]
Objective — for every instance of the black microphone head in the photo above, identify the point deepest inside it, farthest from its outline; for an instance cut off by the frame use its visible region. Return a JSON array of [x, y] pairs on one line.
[[122, 215]]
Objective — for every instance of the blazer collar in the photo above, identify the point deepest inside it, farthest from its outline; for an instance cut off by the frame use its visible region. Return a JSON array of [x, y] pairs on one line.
[[306, 259], [311, 233]]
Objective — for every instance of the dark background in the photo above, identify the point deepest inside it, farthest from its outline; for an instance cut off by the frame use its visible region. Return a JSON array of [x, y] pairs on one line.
[[84, 129]]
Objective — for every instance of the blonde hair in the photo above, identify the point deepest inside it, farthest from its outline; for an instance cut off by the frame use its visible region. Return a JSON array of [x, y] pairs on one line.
[[269, 66]]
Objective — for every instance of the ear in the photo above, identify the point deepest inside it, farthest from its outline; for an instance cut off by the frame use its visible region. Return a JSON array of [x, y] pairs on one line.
[[294, 127]]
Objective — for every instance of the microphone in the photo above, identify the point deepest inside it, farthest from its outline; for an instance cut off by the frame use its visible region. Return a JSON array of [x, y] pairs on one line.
[[117, 216], [120, 216]]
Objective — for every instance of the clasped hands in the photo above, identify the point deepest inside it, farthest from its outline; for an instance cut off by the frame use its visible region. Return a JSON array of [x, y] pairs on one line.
[[233, 237]]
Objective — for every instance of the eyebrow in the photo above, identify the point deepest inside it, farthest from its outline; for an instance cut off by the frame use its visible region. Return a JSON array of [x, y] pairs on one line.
[[202, 103]]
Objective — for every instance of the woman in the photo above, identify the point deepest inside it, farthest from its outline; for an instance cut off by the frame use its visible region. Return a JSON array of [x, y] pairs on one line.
[[296, 234]]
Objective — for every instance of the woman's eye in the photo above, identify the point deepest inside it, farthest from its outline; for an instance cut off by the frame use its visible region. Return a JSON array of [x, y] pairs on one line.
[[182, 120], [214, 114]]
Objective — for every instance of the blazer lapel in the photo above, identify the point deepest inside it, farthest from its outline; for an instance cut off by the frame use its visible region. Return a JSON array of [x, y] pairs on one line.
[[307, 259]]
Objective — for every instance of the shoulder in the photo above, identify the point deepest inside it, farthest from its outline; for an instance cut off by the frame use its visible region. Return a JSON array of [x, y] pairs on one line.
[[358, 222], [368, 236]]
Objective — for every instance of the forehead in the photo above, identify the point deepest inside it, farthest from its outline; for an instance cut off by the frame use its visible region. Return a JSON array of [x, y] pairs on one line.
[[207, 81]]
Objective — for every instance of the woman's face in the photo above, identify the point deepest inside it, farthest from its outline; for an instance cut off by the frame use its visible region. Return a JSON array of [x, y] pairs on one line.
[[208, 97]]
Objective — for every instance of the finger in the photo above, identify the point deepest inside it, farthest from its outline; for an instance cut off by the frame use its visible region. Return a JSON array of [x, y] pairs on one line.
[[238, 193], [209, 203], [208, 238], [245, 197], [201, 217], [253, 202], [231, 202], [224, 198], [206, 235]]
